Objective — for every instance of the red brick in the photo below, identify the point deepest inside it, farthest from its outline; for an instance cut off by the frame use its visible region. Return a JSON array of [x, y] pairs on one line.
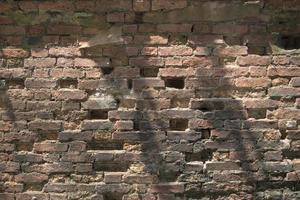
[[254, 60], [284, 92], [151, 39], [39, 53], [40, 83], [64, 51], [66, 73], [176, 72], [167, 188], [198, 62], [39, 62], [230, 51], [252, 82], [69, 94], [44, 125], [146, 61], [50, 147], [175, 51], [149, 51], [283, 71], [85, 62]]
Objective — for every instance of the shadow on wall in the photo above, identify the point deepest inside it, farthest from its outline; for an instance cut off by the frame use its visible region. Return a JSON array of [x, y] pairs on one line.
[[184, 112]]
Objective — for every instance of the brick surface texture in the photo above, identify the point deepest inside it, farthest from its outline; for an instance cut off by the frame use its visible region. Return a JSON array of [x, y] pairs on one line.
[[149, 100]]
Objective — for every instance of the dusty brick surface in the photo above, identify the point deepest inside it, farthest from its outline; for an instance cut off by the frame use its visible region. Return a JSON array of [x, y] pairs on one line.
[[149, 100]]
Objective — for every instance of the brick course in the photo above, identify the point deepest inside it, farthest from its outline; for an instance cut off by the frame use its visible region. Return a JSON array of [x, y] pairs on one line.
[[149, 100]]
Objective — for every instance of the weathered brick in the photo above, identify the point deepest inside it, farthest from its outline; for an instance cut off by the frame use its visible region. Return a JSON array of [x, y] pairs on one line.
[[39, 62], [174, 28], [146, 61], [9, 167], [284, 92], [254, 60], [86, 62], [100, 103], [176, 72], [231, 51], [175, 51], [141, 6], [50, 147], [69, 94], [14, 53], [168, 4], [40, 83], [283, 71], [31, 178], [45, 125], [139, 84], [167, 188], [252, 82], [96, 125]]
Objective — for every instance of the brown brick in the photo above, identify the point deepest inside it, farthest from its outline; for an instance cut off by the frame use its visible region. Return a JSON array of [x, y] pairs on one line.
[[168, 4], [141, 5], [167, 188], [40, 83], [254, 60], [45, 125], [50, 147], [69, 94]]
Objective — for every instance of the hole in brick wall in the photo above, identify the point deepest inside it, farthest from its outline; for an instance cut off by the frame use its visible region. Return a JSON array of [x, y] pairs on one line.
[[129, 84], [107, 70], [111, 166], [112, 196], [205, 107], [175, 83], [68, 83], [98, 114], [289, 42], [205, 134], [149, 72], [179, 124], [15, 84], [105, 145], [138, 17], [136, 126], [201, 156]]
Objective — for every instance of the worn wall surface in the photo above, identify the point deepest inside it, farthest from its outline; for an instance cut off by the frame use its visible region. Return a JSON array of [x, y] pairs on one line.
[[149, 100]]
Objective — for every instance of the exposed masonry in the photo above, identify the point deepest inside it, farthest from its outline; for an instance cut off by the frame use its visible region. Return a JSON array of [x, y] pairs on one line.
[[149, 100]]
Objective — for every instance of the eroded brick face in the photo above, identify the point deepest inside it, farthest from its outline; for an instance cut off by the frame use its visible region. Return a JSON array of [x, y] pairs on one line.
[[149, 100]]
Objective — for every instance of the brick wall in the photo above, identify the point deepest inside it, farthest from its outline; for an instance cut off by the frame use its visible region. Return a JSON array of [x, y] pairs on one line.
[[149, 100]]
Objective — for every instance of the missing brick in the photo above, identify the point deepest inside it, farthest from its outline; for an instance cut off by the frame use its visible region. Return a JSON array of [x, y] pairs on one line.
[[177, 83], [107, 70], [179, 124], [149, 72], [289, 42], [68, 83], [98, 114]]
